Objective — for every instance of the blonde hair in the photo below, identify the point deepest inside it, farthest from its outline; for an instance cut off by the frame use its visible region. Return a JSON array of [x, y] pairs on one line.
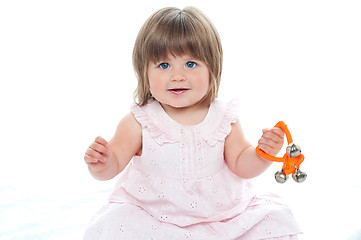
[[177, 32]]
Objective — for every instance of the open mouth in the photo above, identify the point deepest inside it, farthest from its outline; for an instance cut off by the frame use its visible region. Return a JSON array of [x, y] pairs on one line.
[[178, 91]]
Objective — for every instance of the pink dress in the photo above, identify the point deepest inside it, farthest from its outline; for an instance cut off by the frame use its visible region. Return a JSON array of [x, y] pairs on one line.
[[181, 187]]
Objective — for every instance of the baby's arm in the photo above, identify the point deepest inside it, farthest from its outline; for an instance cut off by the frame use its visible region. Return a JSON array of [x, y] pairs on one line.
[[106, 160], [240, 155]]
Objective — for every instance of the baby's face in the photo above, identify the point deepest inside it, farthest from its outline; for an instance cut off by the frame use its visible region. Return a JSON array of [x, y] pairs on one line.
[[178, 82]]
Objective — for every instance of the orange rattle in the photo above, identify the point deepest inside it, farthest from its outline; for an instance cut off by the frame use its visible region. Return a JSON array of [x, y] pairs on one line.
[[291, 160]]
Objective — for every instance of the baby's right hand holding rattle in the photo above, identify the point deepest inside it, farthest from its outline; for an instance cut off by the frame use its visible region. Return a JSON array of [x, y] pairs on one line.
[[97, 153]]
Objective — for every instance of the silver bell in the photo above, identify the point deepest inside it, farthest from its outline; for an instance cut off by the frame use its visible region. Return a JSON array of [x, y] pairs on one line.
[[293, 150], [299, 176], [281, 177]]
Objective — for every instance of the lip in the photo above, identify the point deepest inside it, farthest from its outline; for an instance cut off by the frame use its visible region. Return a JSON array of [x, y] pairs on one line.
[[178, 91]]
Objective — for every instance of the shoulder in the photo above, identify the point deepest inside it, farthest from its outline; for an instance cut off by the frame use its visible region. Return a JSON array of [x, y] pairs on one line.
[[127, 140], [129, 125], [236, 132], [147, 113], [226, 110], [128, 132]]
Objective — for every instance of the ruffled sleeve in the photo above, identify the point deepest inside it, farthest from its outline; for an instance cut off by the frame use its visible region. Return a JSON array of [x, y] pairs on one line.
[[219, 125], [150, 119]]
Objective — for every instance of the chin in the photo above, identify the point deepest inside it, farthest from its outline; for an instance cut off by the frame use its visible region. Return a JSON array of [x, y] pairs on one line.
[[175, 104]]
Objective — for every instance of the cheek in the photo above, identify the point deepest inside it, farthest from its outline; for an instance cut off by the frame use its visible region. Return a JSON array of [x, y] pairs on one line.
[[151, 81], [154, 86], [205, 83]]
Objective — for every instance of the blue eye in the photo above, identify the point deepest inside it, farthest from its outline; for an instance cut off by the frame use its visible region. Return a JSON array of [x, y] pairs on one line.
[[164, 65], [191, 64]]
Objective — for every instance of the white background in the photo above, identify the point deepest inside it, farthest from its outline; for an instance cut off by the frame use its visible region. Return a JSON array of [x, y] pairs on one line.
[[66, 77]]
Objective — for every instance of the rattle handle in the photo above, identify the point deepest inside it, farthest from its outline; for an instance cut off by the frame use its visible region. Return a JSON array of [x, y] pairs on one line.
[[267, 156], [284, 128], [264, 155]]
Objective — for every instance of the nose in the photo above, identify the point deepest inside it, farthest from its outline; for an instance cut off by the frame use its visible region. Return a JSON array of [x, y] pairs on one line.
[[177, 75]]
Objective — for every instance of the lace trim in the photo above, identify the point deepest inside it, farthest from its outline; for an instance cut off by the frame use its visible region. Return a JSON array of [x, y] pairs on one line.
[[162, 131], [221, 131], [159, 132]]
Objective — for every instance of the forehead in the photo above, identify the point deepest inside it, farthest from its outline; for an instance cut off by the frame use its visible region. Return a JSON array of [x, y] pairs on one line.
[[177, 34], [180, 49], [183, 57]]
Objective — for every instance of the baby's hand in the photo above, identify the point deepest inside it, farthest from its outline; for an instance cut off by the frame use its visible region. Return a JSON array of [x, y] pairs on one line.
[[97, 152], [271, 141]]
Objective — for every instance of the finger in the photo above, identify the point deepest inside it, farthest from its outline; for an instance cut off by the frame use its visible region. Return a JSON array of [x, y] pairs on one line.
[[265, 148], [265, 130], [101, 141], [99, 148], [266, 142], [95, 154], [272, 136], [278, 131], [90, 160]]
